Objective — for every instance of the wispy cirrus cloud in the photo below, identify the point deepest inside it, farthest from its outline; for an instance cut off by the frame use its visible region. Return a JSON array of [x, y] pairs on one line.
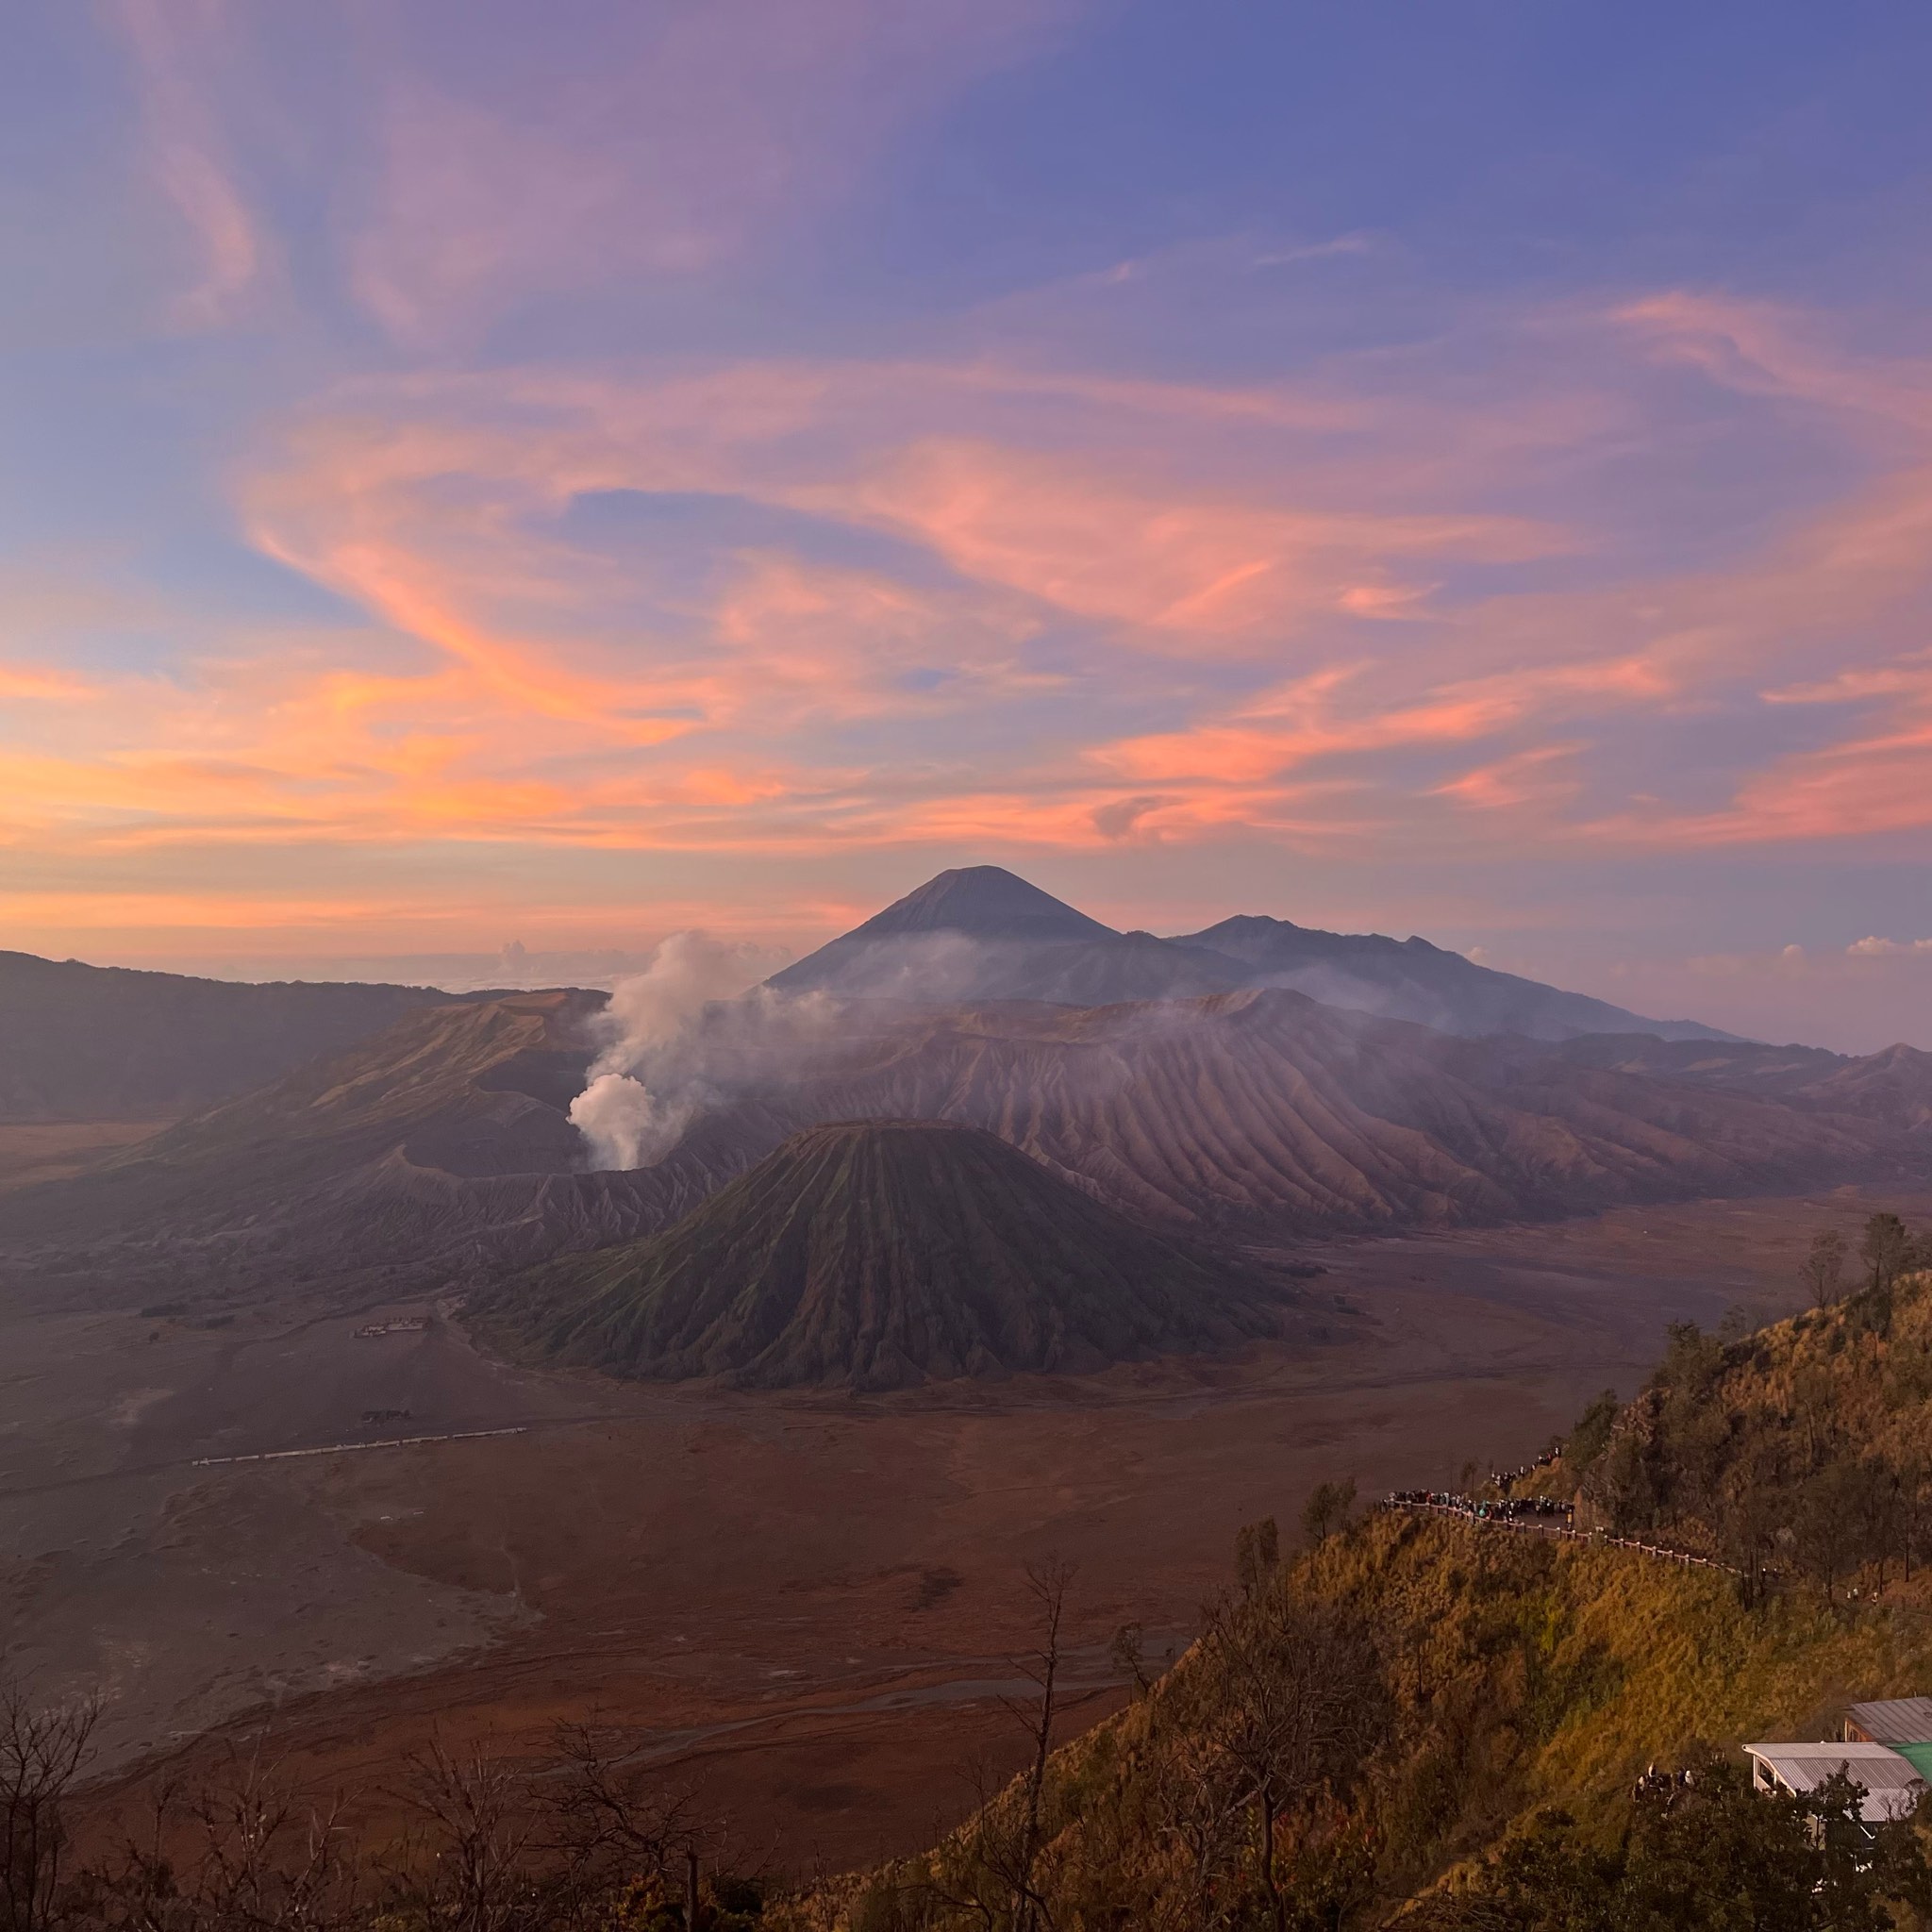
[[747, 607], [693, 133], [622, 143], [185, 56]]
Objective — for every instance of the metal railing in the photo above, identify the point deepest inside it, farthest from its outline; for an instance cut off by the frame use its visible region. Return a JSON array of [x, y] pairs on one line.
[[1499, 1516]]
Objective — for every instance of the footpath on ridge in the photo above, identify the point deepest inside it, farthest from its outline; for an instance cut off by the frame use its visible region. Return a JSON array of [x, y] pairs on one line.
[[1537, 1516]]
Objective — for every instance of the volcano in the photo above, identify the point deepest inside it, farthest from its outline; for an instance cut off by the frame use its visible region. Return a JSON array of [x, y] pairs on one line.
[[1412, 979], [980, 933], [987, 901], [873, 1255]]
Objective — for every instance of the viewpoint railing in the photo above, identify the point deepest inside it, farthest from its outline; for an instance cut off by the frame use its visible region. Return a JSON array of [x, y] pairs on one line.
[[1500, 1516]]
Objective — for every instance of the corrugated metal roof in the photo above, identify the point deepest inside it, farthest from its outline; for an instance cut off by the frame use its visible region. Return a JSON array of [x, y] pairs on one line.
[[1892, 1783], [1895, 1720]]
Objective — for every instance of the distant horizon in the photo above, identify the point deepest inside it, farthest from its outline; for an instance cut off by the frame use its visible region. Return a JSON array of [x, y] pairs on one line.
[[477, 475], [514, 965]]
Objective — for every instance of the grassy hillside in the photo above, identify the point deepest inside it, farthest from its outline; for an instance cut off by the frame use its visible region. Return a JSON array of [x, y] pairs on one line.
[[880, 1252], [1802, 1451], [1523, 1688], [1520, 1679]]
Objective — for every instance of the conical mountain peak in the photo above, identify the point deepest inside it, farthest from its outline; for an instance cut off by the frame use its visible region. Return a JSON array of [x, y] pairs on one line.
[[987, 902], [871, 1253]]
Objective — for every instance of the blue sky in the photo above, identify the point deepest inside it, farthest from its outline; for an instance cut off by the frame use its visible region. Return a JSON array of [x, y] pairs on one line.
[[472, 471]]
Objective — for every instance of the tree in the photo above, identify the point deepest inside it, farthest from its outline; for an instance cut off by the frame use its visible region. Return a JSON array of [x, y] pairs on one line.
[[1592, 1436], [1703, 1849], [482, 1831], [1823, 1267], [1326, 1510], [1257, 1555], [1048, 1584], [1300, 1704], [1887, 1250], [243, 1851], [41, 1751], [609, 1824], [1197, 1804], [1839, 1517], [1128, 1652], [991, 1870]]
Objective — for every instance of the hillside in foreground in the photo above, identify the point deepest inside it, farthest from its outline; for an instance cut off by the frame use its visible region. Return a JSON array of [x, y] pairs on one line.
[[1423, 1710], [1802, 1451], [1456, 1724], [876, 1254]]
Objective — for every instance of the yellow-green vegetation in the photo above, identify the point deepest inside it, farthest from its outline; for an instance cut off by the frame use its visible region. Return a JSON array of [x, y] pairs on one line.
[[1520, 1673], [1509, 1759], [1802, 1452]]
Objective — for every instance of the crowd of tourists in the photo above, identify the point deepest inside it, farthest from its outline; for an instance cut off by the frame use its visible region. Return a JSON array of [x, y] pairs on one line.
[[1541, 1509]]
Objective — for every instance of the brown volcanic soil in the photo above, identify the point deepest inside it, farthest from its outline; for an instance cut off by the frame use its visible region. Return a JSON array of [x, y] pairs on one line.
[[808, 1600]]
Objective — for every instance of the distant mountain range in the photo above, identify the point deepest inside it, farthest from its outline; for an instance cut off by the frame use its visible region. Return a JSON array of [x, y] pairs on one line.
[[95, 1043], [982, 933], [104, 1042], [439, 1150]]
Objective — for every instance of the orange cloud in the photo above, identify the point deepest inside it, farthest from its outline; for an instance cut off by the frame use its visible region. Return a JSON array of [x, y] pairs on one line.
[[1077, 537], [975, 606], [1308, 718], [1867, 787], [38, 682]]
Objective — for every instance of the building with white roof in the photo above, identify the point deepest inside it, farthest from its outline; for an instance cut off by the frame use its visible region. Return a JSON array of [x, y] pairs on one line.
[[1893, 1786]]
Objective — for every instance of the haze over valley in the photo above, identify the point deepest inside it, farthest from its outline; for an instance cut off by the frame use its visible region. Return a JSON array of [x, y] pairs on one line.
[[966, 967], [984, 1200]]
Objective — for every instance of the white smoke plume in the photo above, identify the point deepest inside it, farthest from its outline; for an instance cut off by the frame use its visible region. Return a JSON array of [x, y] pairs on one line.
[[625, 1124], [697, 1028], [632, 1110]]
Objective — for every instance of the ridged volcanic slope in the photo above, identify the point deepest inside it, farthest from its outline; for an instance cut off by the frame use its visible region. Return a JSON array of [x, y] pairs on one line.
[[443, 1148], [872, 1255]]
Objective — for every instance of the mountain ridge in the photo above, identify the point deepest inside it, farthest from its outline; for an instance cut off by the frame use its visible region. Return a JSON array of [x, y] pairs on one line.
[[978, 933], [1260, 1115], [1413, 979], [114, 1043]]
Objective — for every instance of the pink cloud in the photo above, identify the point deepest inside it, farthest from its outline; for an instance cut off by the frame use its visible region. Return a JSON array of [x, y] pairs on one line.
[[1088, 540], [179, 53], [1524, 778], [1063, 612], [662, 150]]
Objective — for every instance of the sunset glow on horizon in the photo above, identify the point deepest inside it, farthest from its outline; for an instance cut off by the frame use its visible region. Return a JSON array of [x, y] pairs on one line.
[[478, 472]]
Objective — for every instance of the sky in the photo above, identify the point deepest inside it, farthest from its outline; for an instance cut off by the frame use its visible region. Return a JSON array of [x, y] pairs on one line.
[[475, 472]]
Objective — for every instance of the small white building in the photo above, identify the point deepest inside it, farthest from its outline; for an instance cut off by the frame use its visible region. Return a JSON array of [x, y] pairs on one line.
[[1892, 1787]]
